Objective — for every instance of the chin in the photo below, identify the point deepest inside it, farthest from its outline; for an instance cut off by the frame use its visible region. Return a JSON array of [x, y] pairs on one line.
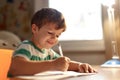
[[48, 47]]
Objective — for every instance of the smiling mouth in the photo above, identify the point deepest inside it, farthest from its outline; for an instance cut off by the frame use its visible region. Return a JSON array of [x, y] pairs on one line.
[[51, 43]]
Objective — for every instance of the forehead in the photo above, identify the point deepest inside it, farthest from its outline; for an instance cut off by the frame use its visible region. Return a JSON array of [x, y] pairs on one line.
[[50, 26]]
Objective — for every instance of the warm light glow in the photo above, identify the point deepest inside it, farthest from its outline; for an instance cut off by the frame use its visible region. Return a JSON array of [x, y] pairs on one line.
[[83, 22], [108, 3], [115, 57], [114, 62], [112, 27]]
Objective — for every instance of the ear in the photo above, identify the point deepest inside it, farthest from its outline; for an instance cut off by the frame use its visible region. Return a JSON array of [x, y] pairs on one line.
[[34, 28]]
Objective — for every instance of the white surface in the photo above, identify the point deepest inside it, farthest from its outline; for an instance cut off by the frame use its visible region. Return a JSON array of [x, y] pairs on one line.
[[54, 75]]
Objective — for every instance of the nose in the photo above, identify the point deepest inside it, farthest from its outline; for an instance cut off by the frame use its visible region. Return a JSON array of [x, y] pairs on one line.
[[53, 40], [53, 36]]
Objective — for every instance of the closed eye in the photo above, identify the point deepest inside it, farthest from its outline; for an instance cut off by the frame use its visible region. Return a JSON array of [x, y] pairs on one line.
[[50, 33]]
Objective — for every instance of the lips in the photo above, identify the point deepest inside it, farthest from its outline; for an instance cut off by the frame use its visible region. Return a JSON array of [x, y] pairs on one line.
[[50, 42]]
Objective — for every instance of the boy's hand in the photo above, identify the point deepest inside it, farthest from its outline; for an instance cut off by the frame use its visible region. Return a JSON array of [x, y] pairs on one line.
[[86, 68], [61, 63]]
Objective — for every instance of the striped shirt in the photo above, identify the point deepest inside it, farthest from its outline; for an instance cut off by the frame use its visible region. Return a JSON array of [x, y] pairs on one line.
[[30, 51]]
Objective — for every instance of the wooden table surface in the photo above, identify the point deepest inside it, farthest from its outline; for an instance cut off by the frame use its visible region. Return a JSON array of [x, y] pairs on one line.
[[103, 74]]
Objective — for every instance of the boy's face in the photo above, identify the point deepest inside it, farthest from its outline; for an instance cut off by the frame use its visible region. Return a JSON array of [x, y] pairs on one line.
[[46, 36]]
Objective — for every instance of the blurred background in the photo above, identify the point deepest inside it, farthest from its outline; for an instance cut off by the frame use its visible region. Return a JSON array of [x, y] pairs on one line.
[[87, 38]]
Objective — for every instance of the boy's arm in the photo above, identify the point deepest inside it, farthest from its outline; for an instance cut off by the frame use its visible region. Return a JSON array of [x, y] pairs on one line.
[[21, 66]]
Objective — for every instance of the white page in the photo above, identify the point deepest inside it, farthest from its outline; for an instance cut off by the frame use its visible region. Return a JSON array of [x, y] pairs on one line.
[[70, 73], [54, 75]]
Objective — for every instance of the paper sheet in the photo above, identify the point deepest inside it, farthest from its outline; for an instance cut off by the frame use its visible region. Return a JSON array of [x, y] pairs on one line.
[[55, 75], [70, 73]]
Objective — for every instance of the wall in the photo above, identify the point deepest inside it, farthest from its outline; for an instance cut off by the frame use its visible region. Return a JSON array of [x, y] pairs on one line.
[[15, 16], [96, 58], [40, 4]]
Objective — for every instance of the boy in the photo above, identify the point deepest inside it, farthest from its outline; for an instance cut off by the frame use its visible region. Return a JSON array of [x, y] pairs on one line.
[[35, 55]]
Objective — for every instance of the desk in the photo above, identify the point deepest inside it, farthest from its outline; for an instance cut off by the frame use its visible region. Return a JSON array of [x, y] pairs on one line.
[[103, 74]]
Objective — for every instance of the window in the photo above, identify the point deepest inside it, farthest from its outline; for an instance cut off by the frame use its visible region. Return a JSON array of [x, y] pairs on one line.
[[84, 24], [83, 19]]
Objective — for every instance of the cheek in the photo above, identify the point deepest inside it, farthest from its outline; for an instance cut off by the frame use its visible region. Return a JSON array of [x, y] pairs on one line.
[[40, 38], [56, 41]]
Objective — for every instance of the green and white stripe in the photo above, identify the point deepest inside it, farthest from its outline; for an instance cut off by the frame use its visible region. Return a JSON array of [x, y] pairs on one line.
[[31, 52]]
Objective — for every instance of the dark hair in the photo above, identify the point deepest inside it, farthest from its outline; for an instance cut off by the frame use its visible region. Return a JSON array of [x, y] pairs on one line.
[[48, 15]]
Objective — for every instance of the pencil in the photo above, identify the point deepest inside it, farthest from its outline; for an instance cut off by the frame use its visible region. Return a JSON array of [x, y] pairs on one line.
[[60, 49]]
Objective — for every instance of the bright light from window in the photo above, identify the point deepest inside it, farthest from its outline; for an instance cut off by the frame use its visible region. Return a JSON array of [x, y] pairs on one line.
[[83, 19], [108, 3]]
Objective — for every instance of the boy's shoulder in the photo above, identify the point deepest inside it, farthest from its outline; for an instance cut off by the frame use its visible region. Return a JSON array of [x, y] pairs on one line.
[[27, 42], [24, 44]]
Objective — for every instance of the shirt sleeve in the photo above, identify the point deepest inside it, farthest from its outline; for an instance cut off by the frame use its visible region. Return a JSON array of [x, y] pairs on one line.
[[23, 51]]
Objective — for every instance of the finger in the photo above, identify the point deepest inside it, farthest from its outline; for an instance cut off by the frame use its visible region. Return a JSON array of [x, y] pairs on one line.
[[91, 69], [86, 67], [83, 68], [94, 70], [66, 58]]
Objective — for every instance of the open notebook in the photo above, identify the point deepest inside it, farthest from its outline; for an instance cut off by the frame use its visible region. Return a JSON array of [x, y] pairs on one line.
[[55, 75]]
